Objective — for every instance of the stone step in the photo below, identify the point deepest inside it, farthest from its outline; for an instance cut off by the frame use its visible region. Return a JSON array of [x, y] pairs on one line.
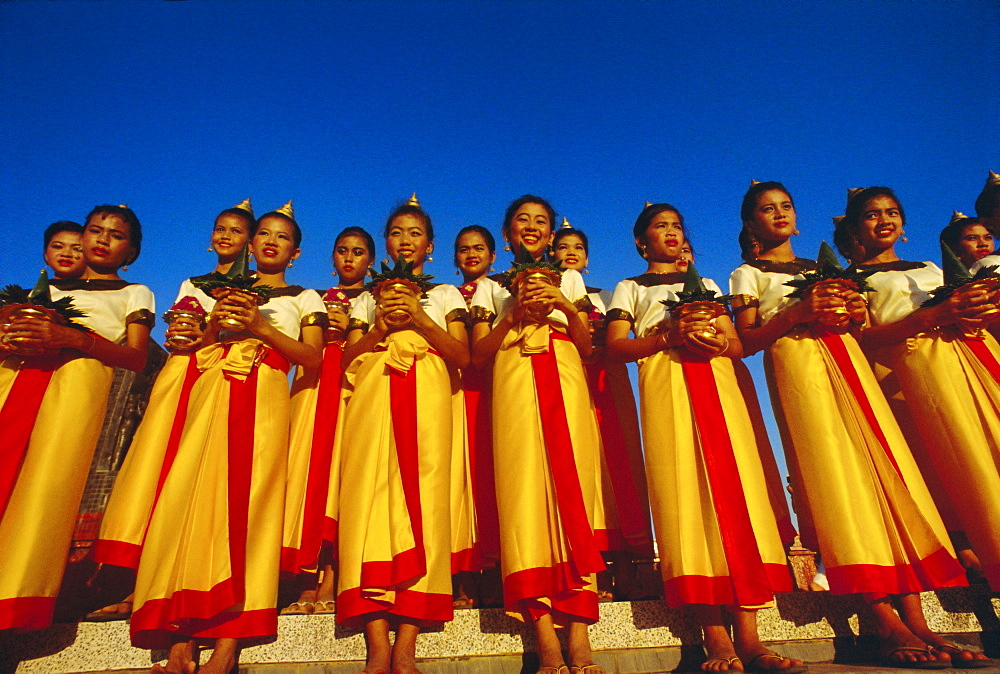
[[828, 624]]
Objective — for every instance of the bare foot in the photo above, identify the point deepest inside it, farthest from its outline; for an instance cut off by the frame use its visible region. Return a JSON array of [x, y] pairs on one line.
[[904, 647], [404, 664], [223, 658], [720, 655], [379, 661], [767, 660], [180, 661]]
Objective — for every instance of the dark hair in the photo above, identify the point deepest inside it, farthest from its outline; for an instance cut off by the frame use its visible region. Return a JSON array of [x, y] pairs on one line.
[[752, 196], [953, 233], [746, 240], [296, 230], [129, 218], [61, 226], [508, 216], [410, 209], [491, 243], [988, 201], [563, 232], [356, 231], [646, 217], [240, 213]]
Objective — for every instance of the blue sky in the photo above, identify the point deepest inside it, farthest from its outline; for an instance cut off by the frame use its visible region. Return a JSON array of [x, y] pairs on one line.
[[184, 108]]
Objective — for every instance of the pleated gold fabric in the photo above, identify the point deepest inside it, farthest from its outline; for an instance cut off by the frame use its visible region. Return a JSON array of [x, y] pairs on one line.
[[210, 561], [954, 402], [394, 535], [542, 571], [693, 558], [464, 548], [140, 479], [36, 526], [859, 494]]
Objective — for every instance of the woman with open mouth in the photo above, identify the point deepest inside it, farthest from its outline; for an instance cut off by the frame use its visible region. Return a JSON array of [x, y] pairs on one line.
[[62, 392], [546, 444]]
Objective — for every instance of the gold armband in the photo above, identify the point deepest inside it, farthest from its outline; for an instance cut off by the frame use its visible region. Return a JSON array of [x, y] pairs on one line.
[[481, 315], [743, 301], [357, 324], [619, 315], [142, 317], [456, 315], [584, 304], [315, 318]]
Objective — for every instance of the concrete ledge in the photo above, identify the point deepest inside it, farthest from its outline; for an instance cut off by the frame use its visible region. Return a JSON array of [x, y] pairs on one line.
[[624, 628]]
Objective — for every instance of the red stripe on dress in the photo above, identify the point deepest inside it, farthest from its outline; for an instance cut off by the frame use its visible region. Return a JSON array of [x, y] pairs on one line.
[[631, 516], [318, 481], [242, 413], [30, 613], [403, 404], [153, 632], [750, 585], [979, 350], [835, 345], [476, 385], [939, 569], [18, 416], [584, 553], [354, 609], [718, 590], [559, 584]]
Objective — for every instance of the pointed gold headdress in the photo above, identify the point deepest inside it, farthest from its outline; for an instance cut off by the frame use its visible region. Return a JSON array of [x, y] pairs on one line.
[[956, 216], [754, 182], [245, 205], [565, 224], [287, 210], [647, 205], [413, 201], [851, 191], [122, 205], [837, 219], [992, 179]]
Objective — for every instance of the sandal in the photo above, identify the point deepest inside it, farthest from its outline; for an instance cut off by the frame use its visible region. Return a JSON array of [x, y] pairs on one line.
[[959, 663], [730, 662], [752, 665], [561, 669], [325, 606], [586, 669], [298, 608], [887, 660]]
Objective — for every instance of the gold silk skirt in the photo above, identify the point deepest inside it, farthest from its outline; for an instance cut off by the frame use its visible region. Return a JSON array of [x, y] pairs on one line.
[[719, 541], [547, 460], [210, 562], [51, 411], [859, 495], [141, 478], [394, 536]]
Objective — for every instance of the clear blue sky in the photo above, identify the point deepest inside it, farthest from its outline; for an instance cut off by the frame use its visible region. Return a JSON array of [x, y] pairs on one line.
[[184, 108]]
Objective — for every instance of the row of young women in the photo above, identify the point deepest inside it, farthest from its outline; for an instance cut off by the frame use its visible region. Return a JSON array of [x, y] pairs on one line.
[[372, 468]]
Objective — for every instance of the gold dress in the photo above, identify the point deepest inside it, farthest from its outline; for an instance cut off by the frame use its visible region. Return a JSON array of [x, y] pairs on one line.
[[547, 461], [718, 536], [140, 480], [209, 564], [51, 410], [394, 532], [948, 381], [859, 495], [312, 491]]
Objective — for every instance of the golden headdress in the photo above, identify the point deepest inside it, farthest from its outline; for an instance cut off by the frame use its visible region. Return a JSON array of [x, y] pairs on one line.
[[245, 205], [565, 224], [956, 216], [754, 182], [851, 191], [647, 205], [287, 210], [992, 179], [413, 201]]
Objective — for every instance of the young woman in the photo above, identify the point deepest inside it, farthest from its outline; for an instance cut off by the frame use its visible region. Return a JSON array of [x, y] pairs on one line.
[[474, 521], [947, 369], [154, 446], [394, 532], [720, 544], [314, 463], [210, 558], [547, 452], [860, 499], [969, 239], [624, 475], [63, 251], [51, 409]]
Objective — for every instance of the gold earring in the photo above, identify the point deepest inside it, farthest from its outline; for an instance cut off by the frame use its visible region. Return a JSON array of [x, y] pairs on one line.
[[430, 258], [586, 271], [492, 270], [211, 249], [124, 267], [385, 261], [795, 232], [902, 233], [289, 264], [458, 273], [507, 247]]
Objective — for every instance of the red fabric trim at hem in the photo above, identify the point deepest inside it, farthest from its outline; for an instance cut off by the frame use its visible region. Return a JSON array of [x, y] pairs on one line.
[[939, 569], [405, 566], [227, 625], [577, 606], [550, 582], [466, 560], [718, 590], [184, 606], [354, 609], [117, 553], [28, 613]]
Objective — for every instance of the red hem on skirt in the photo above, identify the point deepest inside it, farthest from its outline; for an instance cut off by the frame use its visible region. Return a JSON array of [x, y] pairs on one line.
[[330, 533], [226, 625], [575, 606], [32, 613], [117, 553], [405, 566], [466, 560], [936, 570], [557, 583], [354, 609], [718, 590], [186, 606]]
